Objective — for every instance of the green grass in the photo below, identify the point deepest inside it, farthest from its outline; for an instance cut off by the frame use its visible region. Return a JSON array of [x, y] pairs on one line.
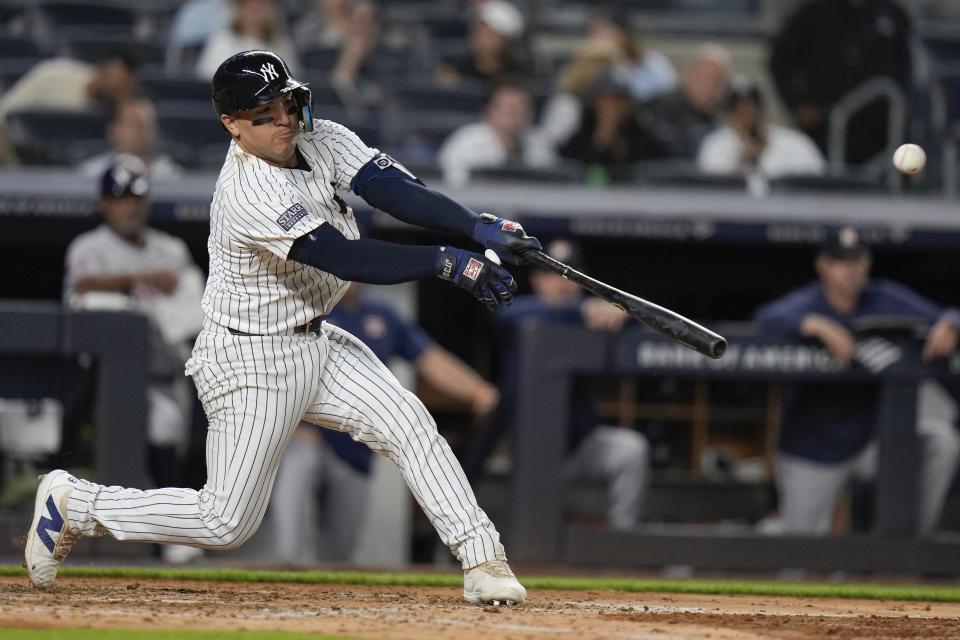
[[180, 634], [708, 587]]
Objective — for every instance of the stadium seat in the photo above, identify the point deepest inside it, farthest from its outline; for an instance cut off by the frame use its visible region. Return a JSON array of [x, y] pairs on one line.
[[163, 90], [192, 136], [56, 137], [92, 48], [52, 19], [17, 56], [320, 59]]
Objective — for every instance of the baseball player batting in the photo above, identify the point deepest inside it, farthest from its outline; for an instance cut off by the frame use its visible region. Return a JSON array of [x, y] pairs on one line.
[[282, 248]]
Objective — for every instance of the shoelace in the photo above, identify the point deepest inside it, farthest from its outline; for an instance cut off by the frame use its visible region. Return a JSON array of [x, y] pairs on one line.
[[65, 543], [497, 568]]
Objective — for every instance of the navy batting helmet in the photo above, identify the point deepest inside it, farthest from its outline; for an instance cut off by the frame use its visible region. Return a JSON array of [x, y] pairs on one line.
[[251, 79], [125, 176]]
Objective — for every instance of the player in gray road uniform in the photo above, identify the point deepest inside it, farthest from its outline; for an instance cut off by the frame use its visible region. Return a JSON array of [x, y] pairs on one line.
[[282, 247]]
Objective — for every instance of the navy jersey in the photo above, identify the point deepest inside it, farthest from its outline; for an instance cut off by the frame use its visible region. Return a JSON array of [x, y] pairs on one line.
[[388, 336], [833, 422]]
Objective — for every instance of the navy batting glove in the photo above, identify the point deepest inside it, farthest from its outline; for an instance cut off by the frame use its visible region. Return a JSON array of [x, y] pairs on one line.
[[489, 283], [506, 237]]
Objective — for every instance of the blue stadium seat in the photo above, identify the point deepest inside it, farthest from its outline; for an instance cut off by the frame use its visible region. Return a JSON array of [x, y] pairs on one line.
[[56, 137], [53, 18], [319, 59], [92, 48], [162, 89], [17, 56], [192, 136]]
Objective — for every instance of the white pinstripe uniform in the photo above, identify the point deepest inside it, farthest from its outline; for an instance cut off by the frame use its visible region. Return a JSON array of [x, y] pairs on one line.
[[256, 388]]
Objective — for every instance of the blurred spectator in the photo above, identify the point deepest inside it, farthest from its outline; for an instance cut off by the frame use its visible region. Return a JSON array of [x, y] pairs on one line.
[[648, 72], [613, 133], [256, 24], [494, 55], [748, 142], [618, 455], [352, 73], [855, 40], [325, 24], [65, 84], [194, 23], [828, 431], [683, 118], [329, 464], [133, 130], [504, 136], [124, 264], [564, 110]]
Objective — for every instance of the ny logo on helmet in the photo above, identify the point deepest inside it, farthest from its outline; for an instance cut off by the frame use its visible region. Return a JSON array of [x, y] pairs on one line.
[[268, 72]]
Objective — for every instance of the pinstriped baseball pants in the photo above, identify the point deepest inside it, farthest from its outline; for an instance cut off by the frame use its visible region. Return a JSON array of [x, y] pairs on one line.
[[254, 391]]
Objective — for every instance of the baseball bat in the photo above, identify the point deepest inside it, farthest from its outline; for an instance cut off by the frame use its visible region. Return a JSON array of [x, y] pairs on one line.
[[666, 322]]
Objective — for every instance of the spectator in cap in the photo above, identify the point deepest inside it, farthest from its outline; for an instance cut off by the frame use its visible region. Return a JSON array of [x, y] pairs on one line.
[[493, 56], [617, 455], [828, 434], [683, 117], [747, 142], [613, 133], [504, 137], [125, 264], [133, 130]]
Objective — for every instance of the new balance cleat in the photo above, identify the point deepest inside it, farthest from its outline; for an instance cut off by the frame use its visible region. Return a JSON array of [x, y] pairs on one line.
[[50, 537]]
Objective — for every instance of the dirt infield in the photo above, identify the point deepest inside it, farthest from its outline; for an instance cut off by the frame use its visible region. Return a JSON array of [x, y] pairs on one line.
[[417, 612]]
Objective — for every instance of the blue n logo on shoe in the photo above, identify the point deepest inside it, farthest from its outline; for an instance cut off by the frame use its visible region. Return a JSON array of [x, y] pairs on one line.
[[53, 523]]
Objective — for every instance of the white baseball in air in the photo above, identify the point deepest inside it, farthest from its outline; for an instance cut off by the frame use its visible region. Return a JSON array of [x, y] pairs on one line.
[[909, 158], [492, 256]]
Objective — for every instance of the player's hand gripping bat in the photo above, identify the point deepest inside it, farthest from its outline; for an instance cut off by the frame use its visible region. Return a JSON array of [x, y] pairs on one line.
[[664, 321]]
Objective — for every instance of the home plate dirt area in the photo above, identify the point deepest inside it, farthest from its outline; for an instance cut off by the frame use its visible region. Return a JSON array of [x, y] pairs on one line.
[[438, 612]]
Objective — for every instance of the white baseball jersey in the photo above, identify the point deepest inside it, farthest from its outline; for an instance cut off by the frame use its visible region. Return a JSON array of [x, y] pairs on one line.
[[258, 210], [256, 389]]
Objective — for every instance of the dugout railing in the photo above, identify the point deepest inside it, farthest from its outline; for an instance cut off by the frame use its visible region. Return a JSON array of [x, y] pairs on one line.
[[538, 531]]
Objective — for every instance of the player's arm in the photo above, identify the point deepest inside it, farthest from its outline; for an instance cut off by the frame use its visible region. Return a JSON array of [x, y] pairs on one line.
[[165, 281], [944, 333], [377, 262], [388, 186], [454, 379]]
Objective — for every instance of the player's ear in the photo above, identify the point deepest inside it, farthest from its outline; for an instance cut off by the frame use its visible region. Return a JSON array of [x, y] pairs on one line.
[[230, 124]]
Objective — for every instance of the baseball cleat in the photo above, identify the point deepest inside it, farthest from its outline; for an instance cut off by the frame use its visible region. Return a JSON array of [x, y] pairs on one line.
[[50, 537], [492, 582]]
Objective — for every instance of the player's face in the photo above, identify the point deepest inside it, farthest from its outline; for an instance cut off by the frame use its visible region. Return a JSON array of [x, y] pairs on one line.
[[846, 276], [127, 215], [268, 132]]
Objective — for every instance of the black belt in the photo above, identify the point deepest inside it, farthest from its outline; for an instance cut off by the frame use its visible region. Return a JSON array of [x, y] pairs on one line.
[[312, 326]]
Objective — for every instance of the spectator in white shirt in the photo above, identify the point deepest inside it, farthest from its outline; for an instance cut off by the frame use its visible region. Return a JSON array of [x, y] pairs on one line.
[[256, 24], [747, 143], [504, 136]]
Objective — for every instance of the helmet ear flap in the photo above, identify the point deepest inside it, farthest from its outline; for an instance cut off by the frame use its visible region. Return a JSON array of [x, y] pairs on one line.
[[304, 100]]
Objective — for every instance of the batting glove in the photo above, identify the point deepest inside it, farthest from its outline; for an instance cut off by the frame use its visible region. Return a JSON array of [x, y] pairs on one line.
[[489, 283], [506, 237]]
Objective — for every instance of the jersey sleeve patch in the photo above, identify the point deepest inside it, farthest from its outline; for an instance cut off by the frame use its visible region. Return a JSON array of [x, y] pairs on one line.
[[383, 161], [291, 216]]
